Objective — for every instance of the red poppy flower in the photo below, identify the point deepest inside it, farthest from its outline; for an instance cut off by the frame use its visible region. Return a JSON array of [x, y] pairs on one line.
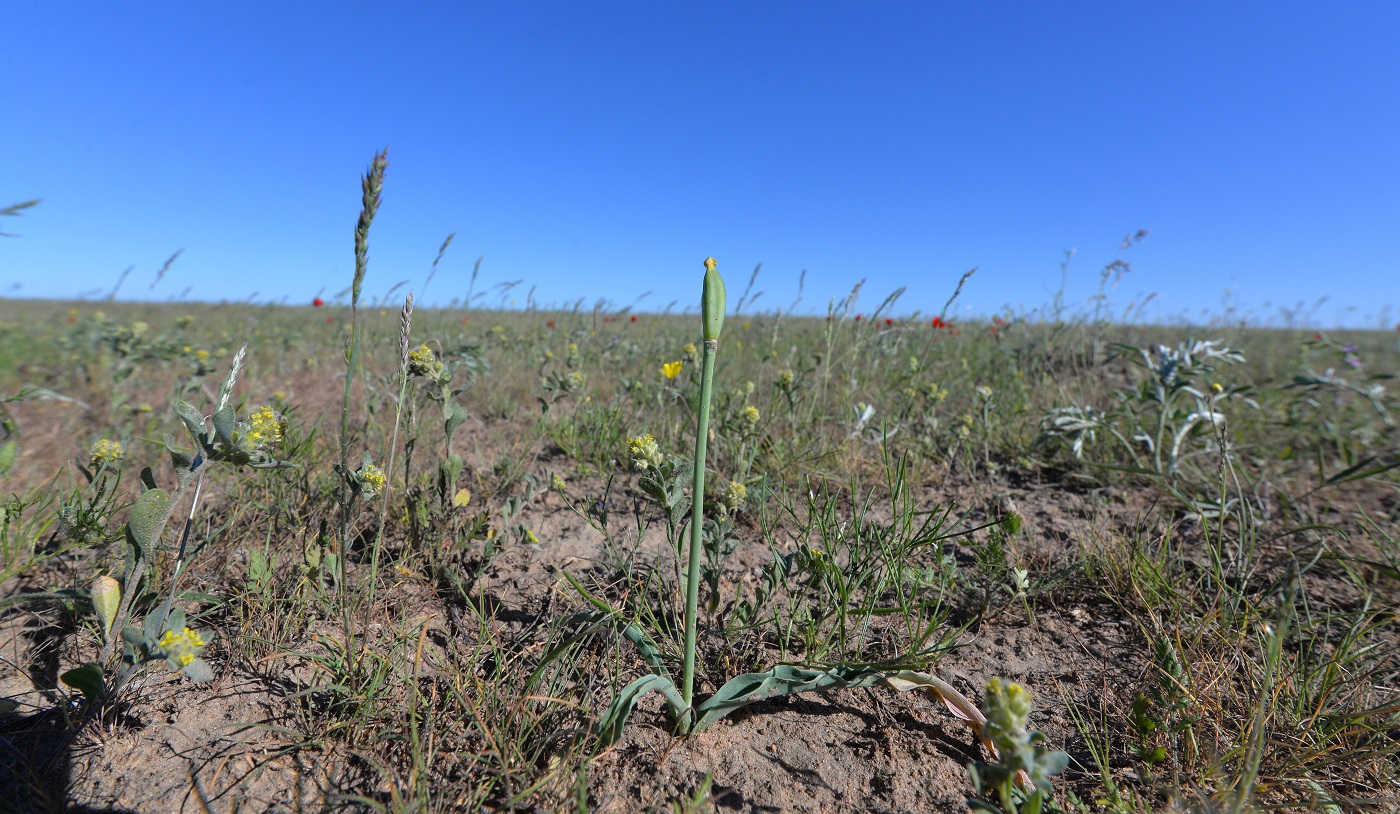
[[550, 323], [330, 319], [889, 321], [634, 319], [607, 319], [859, 317], [318, 302]]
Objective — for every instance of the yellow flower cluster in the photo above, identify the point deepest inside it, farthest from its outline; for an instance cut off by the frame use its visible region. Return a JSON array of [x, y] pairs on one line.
[[372, 479], [1007, 706], [182, 646], [734, 496], [751, 416], [421, 361], [644, 452], [265, 428], [106, 452]]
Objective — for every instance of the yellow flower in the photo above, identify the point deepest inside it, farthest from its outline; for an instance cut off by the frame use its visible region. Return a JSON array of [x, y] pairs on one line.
[[422, 361], [182, 646], [786, 379], [1007, 706], [371, 479], [751, 416], [462, 498], [644, 452], [106, 452], [691, 353], [734, 496], [530, 536], [671, 370], [557, 483], [265, 428], [1217, 388]]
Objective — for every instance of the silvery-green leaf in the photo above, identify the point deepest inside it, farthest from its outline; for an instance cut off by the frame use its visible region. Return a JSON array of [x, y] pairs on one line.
[[152, 626], [147, 519], [180, 460], [199, 670], [194, 422], [224, 423], [453, 415]]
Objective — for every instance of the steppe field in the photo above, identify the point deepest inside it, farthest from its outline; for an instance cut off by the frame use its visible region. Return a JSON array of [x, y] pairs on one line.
[[420, 560]]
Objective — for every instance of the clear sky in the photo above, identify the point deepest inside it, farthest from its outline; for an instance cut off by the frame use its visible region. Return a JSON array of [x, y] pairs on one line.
[[603, 149]]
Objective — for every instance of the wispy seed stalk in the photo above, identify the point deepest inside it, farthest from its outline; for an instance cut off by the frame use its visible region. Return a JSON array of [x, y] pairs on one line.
[[371, 184]]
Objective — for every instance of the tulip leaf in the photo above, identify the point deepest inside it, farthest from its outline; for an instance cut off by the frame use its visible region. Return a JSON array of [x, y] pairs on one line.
[[610, 725]]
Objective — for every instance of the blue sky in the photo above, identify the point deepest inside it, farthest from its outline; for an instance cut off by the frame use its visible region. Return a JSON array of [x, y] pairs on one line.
[[604, 149]]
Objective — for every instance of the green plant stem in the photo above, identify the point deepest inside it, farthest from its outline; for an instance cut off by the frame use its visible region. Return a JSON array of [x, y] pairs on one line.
[[697, 519], [131, 580], [405, 321]]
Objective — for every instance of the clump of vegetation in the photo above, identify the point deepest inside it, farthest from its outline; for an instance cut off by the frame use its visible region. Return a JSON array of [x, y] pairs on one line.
[[470, 559]]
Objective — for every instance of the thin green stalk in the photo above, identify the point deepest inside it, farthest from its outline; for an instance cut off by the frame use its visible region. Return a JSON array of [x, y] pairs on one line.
[[712, 316], [697, 517], [371, 185], [405, 324]]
